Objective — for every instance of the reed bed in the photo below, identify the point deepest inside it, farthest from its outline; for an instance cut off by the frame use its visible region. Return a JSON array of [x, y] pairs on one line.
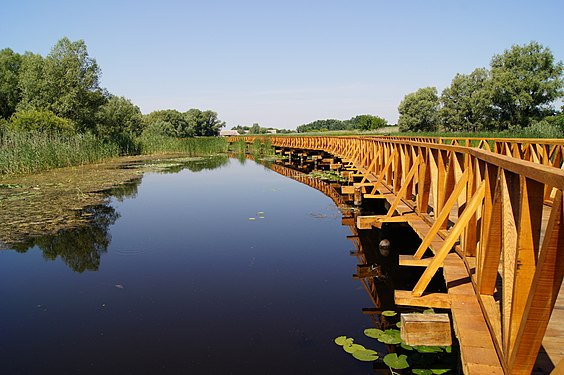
[[201, 146], [29, 152]]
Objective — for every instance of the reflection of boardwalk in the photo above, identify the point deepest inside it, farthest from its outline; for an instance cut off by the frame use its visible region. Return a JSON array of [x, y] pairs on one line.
[[493, 221]]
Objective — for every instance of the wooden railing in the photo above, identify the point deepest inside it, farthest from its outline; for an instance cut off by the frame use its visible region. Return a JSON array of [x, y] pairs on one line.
[[502, 214]]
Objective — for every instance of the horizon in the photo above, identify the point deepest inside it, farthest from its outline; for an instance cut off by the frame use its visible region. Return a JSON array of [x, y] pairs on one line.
[[282, 64]]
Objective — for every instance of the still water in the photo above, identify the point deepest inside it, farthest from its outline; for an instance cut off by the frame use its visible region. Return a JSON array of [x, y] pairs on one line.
[[173, 277]]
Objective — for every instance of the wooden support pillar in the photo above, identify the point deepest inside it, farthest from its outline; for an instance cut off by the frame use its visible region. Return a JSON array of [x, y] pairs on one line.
[[358, 196]]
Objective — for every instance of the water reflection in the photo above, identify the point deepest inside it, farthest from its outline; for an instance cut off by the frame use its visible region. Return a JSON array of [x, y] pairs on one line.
[[193, 164], [208, 291], [80, 248], [81, 243]]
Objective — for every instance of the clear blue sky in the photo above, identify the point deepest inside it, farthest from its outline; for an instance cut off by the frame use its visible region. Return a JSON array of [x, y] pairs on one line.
[[282, 63]]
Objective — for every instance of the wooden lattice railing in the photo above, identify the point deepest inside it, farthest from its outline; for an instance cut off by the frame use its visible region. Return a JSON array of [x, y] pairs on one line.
[[502, 214]]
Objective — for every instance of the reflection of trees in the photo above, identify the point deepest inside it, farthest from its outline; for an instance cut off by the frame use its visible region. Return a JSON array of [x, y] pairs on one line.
[[207, 163], [126, 190], [197, 165], [79, 247]]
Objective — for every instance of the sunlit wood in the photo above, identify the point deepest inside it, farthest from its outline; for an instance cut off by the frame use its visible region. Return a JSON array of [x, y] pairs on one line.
[[497, 203]]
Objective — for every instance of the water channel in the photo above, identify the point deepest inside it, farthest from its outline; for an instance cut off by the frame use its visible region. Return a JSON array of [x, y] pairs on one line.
[[218, 266]]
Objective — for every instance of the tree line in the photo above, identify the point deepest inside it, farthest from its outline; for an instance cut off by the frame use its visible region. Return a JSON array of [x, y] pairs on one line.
[[360, 122], [517, 92], [62, 92]]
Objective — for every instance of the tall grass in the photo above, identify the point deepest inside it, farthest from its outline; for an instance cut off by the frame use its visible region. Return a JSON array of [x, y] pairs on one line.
[[29, 152], [25, 152], [158, 144]]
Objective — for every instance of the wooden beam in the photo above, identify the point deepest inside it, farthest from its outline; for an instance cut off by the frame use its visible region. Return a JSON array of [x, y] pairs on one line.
[[449, 242], [403, 188], [367, 222], [434, 300], [410, 260], [544, 291], [443, 215]]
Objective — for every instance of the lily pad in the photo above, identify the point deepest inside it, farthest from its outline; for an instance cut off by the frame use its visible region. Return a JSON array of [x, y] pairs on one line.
[[366, 355], [428, 349], [374, 333], [421, 371], [389, 313], [406, 347], [353, 348], [252, 218], [396, 362], [439, 371], [341, 340], [390, 337]]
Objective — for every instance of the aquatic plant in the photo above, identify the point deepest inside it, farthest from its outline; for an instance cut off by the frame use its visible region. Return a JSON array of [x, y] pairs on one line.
[[421, 359]]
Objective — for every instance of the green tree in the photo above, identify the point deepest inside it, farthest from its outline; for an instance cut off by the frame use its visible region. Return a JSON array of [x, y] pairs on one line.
[[66, 82], [467, 103], [10, 95], [33, 120], [319, 125], [203, 123], [526, 81], [419, 110], [256, 129], [118, 116], [168, 122], [367, 122], [32, 84]]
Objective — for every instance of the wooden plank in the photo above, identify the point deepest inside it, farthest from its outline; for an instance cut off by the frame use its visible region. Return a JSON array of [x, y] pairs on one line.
[[544, 292], [530, 217], [477, 350], [434, 300], [367, 222], [410, 260], [426, 329], [376, 196]]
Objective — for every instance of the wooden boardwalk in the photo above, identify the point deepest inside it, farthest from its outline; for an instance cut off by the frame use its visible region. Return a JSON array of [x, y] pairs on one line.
[[491, 213]]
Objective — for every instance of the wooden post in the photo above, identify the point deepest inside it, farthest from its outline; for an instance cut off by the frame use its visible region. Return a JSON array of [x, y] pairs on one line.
[[426, 329]]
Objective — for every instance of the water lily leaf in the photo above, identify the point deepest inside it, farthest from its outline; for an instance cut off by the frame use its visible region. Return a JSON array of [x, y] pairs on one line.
[[429, 311], [374, 333], [421, 371], [389, 313], [391, 337], [406, 347], [448, 349], [353, 348], [252, 218], [395, 362], [398, 324], [440, 370], [428, 349], [366, 355], [341, 340]]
